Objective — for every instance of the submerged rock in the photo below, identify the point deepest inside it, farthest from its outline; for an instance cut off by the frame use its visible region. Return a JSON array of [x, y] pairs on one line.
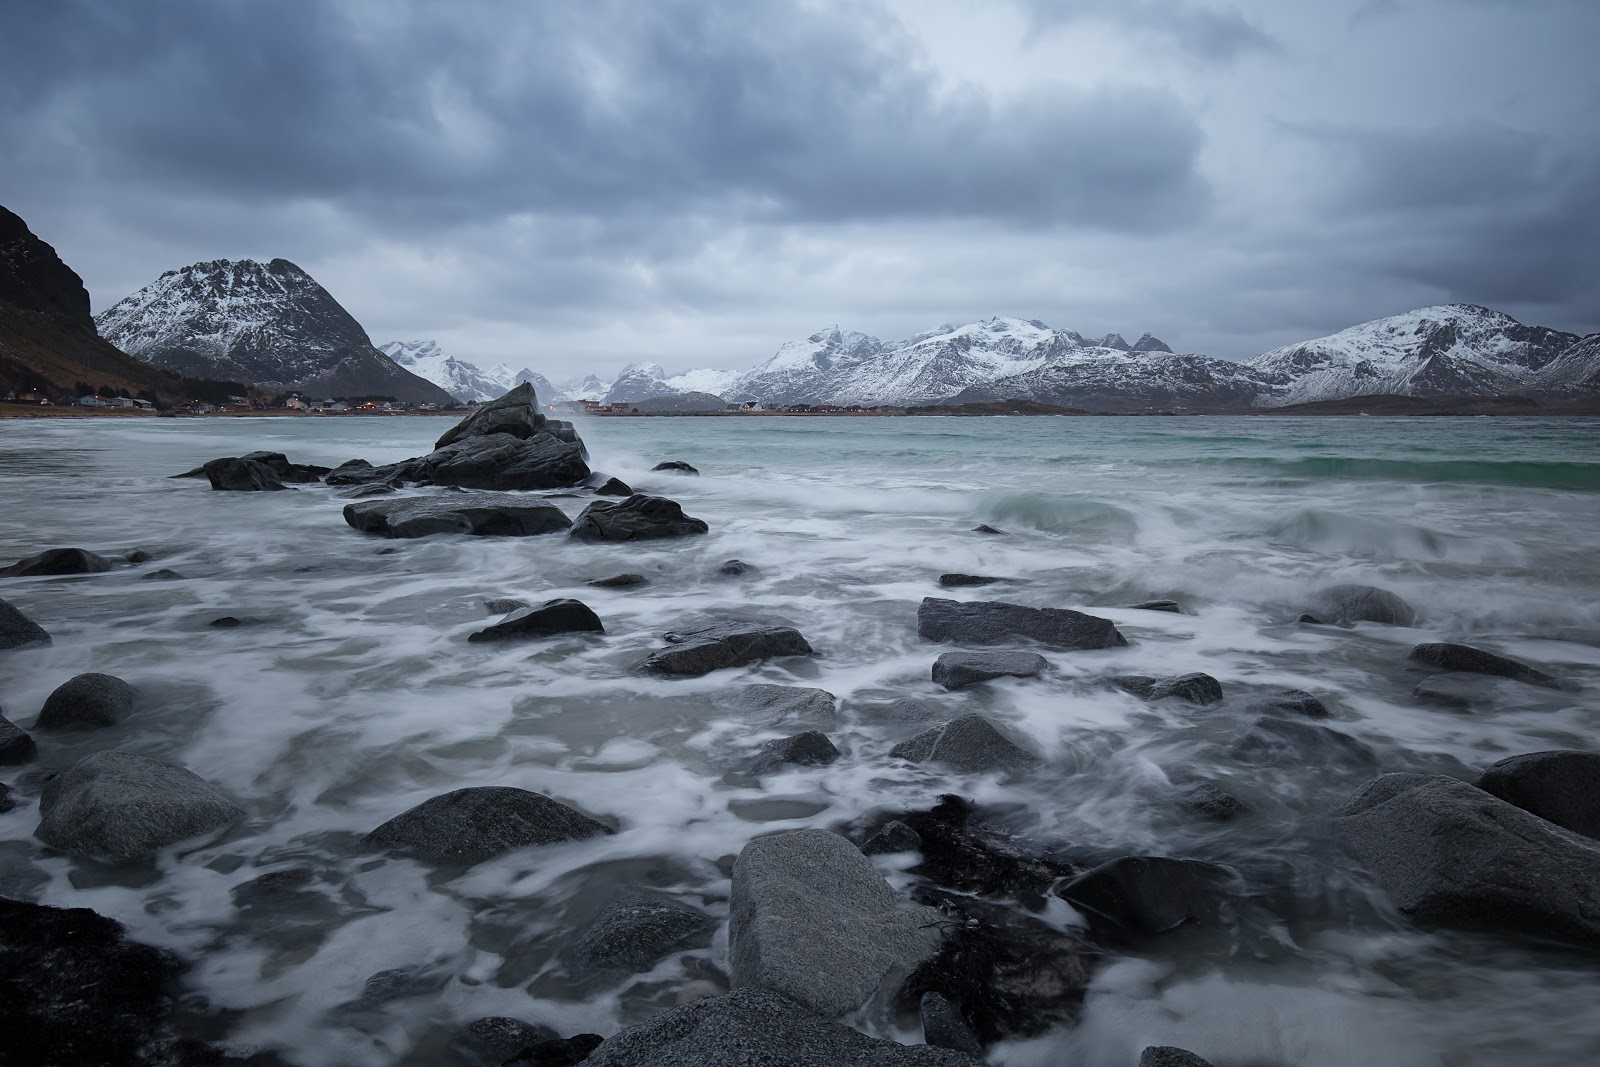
[[894, 836], [235, 474], [732, 644], [1562, 787], [471, 825], [54, 561], [1158, 605], [1345, 605], [970, 743], [962, 853], [619, 581], [557, 1052], [19, 631], [119, 807], [1465, 658], [1271, 739], [1151, 894], [613, 487], [964, 581], [638, 518], [1452, 854], [1170, 1056], [16, 746], [1195, 688], [751, 1027], [997, 623], [1289, 702], [677, 466], [637, 928], [87, 701], [811, 918], [477, 514], [735, 568], [1462, 691], [809, 749], [494, 1039], [278, 463], [550, 619], [503, 605], [1213, 803], [985, 528], [957, 670], [772, 706], [165, 574]]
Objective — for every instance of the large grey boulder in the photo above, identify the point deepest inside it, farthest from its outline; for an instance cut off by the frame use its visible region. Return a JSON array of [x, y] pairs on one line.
[[809, 749], [471, 825], [54, 561], [1289, 702], [811, 918], [1192, 688], [636, 929], [515, 414], [477, 514], [782, 705], [120, 807], [983, 622], [638, 518], [732, 644], [1562, 787], [969, 743], [16, 746], [550, 619], [758, 1028], [19, 631], [235, 474], [87, 701], [1348, 604], [957, 670], [1452, 657], [1452, 854]]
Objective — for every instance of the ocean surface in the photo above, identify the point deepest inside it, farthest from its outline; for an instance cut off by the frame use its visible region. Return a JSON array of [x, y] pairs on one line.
[[351, 694]]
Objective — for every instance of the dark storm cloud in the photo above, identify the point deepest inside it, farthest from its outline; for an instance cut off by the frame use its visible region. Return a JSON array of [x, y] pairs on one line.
[[461, 112], [1213, 34]]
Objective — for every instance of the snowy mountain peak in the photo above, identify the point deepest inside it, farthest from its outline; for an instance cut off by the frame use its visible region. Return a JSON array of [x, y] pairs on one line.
[[463, 380], [1150, 343], [1114, 340]]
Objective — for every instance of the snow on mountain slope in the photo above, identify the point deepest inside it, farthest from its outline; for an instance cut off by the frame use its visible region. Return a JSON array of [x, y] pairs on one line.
[[935, 367], [1575, 371], [806, 371], [1104, 378], [1445, 350], [462, 380]]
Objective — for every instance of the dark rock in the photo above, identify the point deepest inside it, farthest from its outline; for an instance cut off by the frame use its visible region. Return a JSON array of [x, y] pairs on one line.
[[985, 528], [366, 492], [273, 886], [551, 619], [636, 929], [137, 555], [165, 574], [397, 983], [1194, 688], [677, 466], [471, 825], [279, 464], [1170, 1056], [503, 605], [962, 853], [1345, 605], [733, 644], [87, 701], [1561, 786], [119, 807], [735, 568], [16, 746], [557, 1052], [76, 992], [1451, 854], [1151, 894], [494, 1039], [6, 803], [19, 631], [477, 514], [957, 670], [237, 475], [1212, 803], [811, 918], [969, 743], [614, 487], [894, 836], [1462, 691], [1451, 657], [810, 749], [759, 1028], [961, 581], [638, 518], [772, 706], [1271, 739], [516, 414], [1289, 702], [58, 561], [1158, 605], [996, 623], [226, 622], [619, 581], [1311, 620], [943, 1026]]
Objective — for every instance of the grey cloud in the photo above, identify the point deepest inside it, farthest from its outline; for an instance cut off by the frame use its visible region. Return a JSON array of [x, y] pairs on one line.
[[1213, 34]]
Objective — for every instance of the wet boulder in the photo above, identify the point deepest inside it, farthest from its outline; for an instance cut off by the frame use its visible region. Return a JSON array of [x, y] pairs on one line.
[[1345, 605], [6, 803], [638, 518], [943, 1026], [811, 918], [1171, 606], [1289, 702], [494, 1039], [19, 631], [16, 746], [1209, 802], [970, 743], [968, 581], [773, 706], [676, 466], [515, 414], [637, 928], [471, 825], [957, 670], [234, 474], [613, 487], [503, 605], [756, 1026], [997, 623], [550, 619], [1192, 688], [88, 701], [1273, 739], [557, 1052], [732, 644], [962, 852], [1562, 787], [278, 463], [1464, 658], [1151, 894], [119, 807], [736, 568], [985, 528], [893, 836], [53, 561], [809, 749], [1451, 854], [619, 581], [1461, 691], [1170, 1056], [164, 574], [476, 514]]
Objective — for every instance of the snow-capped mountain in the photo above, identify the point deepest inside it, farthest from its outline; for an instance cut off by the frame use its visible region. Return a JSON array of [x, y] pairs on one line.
[[1445, 350], [266, 324], [462, 380], [805, 371], [588, 387], [643, 381], [1575, 371], [1105, 378]]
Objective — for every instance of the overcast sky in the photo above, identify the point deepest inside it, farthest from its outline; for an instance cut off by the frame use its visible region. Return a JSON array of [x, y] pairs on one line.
[[573, 185]]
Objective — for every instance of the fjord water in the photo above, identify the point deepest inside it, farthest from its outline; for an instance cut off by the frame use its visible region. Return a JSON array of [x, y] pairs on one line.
[[350, 694]]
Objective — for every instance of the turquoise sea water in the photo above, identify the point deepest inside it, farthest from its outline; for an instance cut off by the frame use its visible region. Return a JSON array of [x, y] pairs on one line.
[[352, 694]]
